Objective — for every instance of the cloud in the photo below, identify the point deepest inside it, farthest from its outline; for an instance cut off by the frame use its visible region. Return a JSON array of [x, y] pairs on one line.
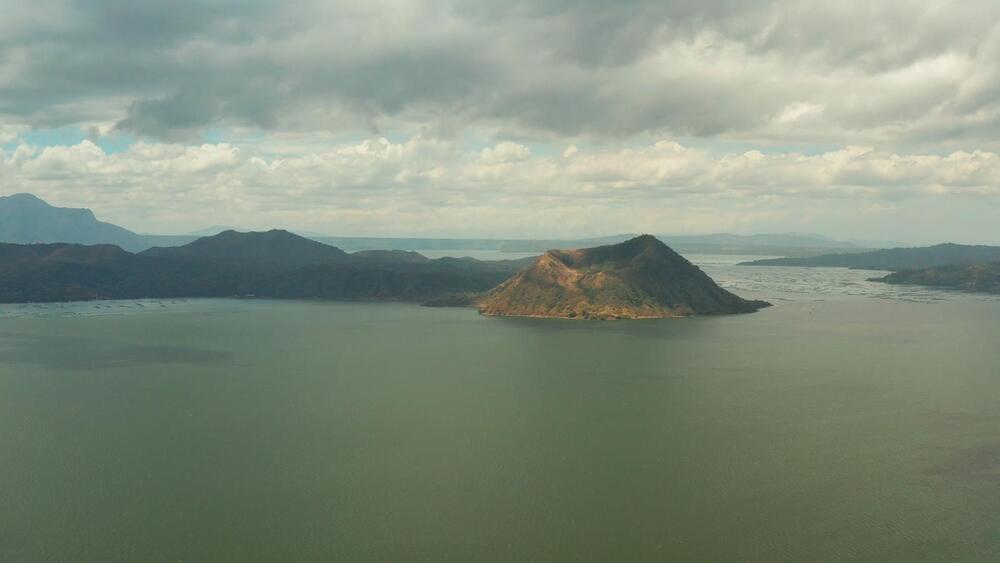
[[427, 185], [505, 152], [177, 116], [10, 133], [900, 72], [665, 116]]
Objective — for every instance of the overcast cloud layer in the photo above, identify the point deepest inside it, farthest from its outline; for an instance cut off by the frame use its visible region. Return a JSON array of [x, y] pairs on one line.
[[840, 117]]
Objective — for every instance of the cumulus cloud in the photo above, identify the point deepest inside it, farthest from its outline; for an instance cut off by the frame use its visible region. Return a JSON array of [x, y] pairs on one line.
[[916, 72], [431, 186], [665, 116]]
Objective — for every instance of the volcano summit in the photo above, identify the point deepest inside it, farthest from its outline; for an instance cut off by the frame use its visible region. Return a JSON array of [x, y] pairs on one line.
[[639, 278]]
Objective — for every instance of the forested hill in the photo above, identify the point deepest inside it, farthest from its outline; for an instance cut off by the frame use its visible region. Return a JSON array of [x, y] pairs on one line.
[[275, 264]]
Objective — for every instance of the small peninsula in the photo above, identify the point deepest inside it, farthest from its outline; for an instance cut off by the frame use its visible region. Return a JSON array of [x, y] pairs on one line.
[[639, 278], [979, 277], [892, 259]]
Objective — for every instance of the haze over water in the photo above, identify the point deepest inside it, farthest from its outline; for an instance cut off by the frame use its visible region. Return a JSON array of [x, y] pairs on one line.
[[839, 425]]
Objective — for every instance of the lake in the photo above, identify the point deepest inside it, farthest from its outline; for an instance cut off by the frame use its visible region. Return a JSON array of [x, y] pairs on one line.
[[852, 421]]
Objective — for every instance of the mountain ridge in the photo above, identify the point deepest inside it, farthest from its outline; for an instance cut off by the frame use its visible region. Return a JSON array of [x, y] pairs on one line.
[[27, 219], [254, 249], [274, 264]]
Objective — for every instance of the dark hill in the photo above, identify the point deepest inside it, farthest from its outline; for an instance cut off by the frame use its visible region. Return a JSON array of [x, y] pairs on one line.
[[270, 250], [26, 219], [894, 258], [275, 264], [69, 272], [639, 278], [15, 256]]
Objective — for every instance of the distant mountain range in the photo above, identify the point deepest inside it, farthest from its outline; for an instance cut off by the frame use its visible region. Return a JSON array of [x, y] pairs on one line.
[[638, 278], [216, 229], [25, 218], [210, 231], [777, 244], [894, 258], [791, 244]]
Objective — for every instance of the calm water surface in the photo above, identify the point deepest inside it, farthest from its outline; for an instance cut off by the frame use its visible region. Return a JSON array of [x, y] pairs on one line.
[[849, 422]]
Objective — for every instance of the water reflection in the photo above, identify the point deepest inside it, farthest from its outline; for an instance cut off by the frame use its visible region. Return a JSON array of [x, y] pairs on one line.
[[84, 354]]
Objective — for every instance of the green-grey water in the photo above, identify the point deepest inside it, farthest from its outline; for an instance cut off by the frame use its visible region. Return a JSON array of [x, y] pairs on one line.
[[831, 427]]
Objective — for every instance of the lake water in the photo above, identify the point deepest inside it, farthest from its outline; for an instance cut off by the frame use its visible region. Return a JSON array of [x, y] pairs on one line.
[[852, 421]]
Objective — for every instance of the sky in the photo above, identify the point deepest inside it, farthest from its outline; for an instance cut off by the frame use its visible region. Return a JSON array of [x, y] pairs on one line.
[[521, 118]]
